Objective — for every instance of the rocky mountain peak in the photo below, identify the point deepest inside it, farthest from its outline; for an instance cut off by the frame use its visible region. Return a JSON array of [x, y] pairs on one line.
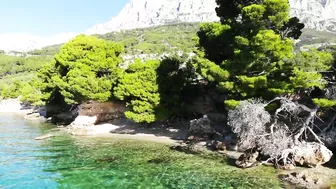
[[316, 14], [147, 13]]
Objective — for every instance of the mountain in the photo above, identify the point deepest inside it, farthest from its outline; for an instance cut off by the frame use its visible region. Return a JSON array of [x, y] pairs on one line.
[[316, 14], [149, 13]]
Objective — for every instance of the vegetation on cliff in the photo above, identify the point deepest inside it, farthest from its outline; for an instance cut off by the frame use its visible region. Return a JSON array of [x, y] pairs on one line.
[[248, 55]]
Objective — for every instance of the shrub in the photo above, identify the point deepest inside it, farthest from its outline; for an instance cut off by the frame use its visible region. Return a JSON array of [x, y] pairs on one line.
[[139, 88]]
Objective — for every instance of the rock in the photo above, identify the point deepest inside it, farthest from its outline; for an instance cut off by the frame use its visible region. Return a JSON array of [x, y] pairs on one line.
[[79, 130], [149, 13], [84, 121], [65, 118], [220, 146], [201, 128], [311, 154], [232, 147], [33, 116], [316, 14], [248, 159], [203, 143], [103, 112], [43, 137], [329, 138], [231, 138], [304, 180], [287, 166], [42, 111]]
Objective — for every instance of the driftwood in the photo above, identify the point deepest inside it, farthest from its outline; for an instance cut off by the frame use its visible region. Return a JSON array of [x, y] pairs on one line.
[[286, 134]]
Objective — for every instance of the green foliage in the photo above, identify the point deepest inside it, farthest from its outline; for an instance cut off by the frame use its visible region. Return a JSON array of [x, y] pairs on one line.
[[31, 93], [138, 86], [306, 69], [27, 88], [86, 68], [324, 103], [313, 60], [250, 52], [10, 65], [12, 90], [156, 40], [311, 37], [46, 51], [178, 86], [231, 104]]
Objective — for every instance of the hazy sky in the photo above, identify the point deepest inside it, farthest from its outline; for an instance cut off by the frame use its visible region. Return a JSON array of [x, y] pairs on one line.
[[48, 17]]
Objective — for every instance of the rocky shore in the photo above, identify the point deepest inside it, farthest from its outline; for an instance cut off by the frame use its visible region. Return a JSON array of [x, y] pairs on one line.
[[204, 135]]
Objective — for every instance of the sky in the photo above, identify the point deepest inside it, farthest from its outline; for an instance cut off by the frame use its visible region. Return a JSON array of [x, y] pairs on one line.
[[50, 17]]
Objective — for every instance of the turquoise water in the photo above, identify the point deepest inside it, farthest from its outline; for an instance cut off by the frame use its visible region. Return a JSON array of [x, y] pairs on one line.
[[21, 162], [86, 162]]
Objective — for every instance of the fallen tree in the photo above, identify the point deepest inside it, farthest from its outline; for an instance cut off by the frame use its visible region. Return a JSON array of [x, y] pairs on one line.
[[282, 131]]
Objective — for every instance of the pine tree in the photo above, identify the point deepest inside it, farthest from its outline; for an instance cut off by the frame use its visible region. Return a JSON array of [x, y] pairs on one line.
[[86, 68], [250, 52]]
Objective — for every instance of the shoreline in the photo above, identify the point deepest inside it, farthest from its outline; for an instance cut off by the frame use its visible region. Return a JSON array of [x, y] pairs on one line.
[[105, 130], [130, 131]]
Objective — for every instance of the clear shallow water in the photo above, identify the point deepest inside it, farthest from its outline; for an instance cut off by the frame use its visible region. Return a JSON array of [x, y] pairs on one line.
[[84, 162]]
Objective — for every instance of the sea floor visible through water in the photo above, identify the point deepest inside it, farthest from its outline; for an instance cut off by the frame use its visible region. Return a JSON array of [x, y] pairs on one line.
[[66, 161]]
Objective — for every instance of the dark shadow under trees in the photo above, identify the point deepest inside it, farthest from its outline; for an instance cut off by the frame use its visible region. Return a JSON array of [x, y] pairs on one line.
[[178, 87]]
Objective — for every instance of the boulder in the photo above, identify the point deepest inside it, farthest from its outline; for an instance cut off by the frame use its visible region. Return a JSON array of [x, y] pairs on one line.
[[329, 138], [217, 145], [201, 128], [65, 118], [84, 121], [248, 159], [311, 154]]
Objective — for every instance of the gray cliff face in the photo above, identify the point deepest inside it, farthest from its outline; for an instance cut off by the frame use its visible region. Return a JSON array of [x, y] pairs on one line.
[[147, 13], [316, 14]]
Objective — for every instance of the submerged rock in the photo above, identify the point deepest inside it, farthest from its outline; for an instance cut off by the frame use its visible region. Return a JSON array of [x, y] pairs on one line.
[[217, 145], [33, 116], [304, 180], [43, 137], [248, 159]]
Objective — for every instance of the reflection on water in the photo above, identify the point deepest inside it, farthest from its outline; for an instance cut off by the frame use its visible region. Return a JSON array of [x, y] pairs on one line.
[[68, 162]]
